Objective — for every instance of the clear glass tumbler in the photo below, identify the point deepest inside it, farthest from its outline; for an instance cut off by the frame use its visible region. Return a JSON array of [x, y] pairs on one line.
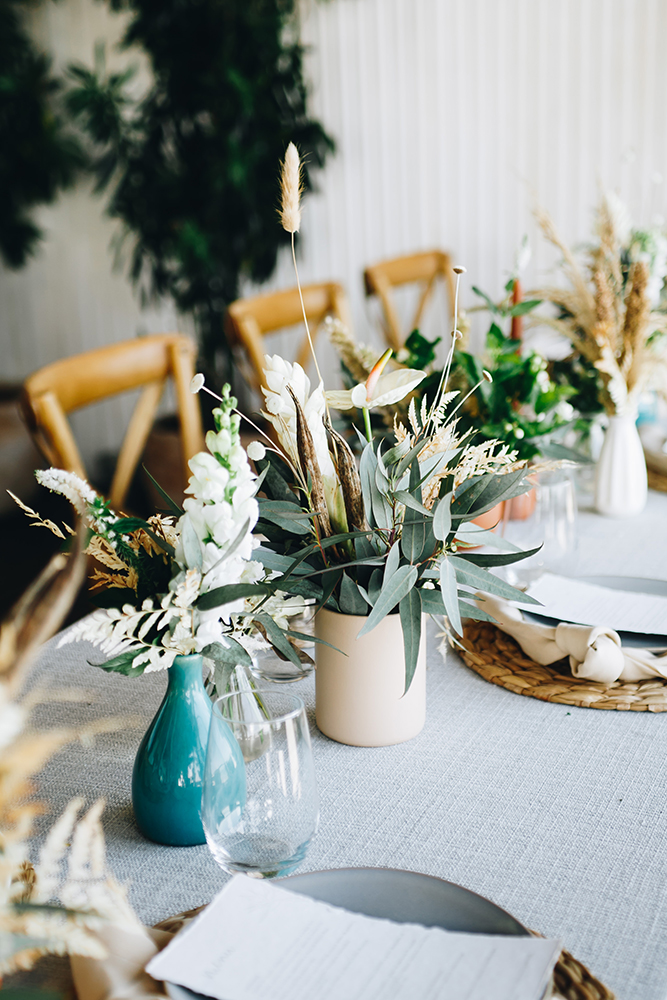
[[267, 665], [260, 817], [545, 516]]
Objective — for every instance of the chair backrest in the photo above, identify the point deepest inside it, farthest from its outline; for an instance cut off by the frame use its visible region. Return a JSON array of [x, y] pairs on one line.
[[54, 391], [248, 320], [424, 268]]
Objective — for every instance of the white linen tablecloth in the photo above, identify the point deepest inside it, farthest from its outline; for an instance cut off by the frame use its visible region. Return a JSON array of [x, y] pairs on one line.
[[557, 814]]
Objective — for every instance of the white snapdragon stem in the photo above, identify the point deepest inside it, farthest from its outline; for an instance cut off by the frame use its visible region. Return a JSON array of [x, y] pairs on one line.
[[197, 384]]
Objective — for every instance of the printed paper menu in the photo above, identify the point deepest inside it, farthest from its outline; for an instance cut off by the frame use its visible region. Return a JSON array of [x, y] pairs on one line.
[[258, 940], [572, 600]]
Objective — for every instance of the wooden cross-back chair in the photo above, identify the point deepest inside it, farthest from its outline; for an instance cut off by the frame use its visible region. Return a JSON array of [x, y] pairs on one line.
[[71, 383], [248, 320], [424, 268]]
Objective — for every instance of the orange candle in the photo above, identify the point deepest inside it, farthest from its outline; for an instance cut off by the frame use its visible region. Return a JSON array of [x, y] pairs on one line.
[[516, 332]]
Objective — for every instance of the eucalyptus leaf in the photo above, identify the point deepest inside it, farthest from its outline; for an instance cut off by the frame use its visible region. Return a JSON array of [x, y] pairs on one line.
[[171, 504], [407, 459], [493, 559], [192, 551], [442, 518], [413, 537], [409, 501], [231, 655], [521, 308], [474, 576], [399, 584], [351, 602], [220, 596], [410, 610], [553, 449], [122, 664], [449, 592], [279, 563], [367, 469], [274, 484], [299, 587], [375, 585], [286, 516], [481, 493], [277, 638], [472, 534], [432, 602], [329, 584], [396, 453], [307, 637], [393, 560]]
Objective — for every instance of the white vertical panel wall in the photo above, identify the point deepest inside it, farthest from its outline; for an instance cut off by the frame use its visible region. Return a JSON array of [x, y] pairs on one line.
[[451, 120]]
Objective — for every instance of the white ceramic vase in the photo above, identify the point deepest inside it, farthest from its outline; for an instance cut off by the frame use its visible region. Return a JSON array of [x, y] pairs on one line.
[[359, 697], [620, 481]]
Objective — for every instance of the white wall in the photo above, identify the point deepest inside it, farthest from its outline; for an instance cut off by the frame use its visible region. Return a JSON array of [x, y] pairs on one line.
[[452, 119]]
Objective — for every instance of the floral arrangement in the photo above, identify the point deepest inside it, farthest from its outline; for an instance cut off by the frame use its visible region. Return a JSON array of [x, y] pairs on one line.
[[521, 405], [394, 534], [613, 310], [185, 582]]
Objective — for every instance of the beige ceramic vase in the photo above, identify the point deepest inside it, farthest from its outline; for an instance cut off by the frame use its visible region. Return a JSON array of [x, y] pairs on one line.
[[359, 698]]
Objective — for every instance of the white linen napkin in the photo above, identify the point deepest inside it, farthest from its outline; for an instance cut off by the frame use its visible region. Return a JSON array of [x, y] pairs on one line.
[[595, 653]]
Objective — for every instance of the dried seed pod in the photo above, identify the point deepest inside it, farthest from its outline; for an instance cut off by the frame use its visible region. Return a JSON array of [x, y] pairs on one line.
[[346, 467], [310, 467]]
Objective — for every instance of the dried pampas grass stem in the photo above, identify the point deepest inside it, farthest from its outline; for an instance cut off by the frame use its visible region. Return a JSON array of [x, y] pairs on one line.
[[291, 186]]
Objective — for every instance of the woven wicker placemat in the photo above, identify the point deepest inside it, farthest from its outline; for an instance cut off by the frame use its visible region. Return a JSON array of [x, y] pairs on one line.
[[571, 979], [497, 658], [656, 480]]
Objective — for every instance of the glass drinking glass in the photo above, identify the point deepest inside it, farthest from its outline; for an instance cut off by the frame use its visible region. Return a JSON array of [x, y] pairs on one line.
[[260, 805], [267, 665], [545, 516]]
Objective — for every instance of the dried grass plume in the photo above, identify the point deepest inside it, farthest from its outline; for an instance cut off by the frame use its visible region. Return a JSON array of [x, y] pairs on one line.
[[291, 186]]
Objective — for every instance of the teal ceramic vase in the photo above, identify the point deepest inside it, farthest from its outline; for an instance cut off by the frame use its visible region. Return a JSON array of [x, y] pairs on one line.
[[169, 766]]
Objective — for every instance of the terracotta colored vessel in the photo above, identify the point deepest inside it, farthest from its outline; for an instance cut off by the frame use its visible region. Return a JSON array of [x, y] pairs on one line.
[[492, 518], [521, 508]]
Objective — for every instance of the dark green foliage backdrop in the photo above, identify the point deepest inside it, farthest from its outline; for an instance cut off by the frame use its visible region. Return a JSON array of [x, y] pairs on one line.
[[193, 169], [38, 156]]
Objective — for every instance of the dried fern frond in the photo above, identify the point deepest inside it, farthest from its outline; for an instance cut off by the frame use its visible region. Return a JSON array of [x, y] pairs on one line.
[[357, 358]]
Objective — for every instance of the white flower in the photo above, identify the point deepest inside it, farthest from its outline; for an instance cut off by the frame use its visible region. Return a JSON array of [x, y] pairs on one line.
[[281, 412], [69, 485], [388, 389], [209, 479], [565, 410], [256, 451]]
